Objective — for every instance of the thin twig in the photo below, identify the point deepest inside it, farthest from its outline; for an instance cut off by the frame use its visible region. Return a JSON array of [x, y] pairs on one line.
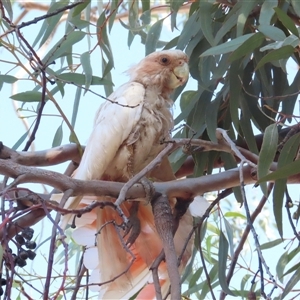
[[288, 204], [255, 236]]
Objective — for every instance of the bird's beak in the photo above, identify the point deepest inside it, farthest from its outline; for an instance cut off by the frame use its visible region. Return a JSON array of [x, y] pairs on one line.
[[179, 75]]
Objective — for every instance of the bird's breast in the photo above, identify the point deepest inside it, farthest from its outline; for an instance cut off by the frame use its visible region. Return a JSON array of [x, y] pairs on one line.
[[144, 142]]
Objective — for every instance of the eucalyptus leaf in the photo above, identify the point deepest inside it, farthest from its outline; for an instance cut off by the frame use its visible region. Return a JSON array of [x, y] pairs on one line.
[[29, 96]]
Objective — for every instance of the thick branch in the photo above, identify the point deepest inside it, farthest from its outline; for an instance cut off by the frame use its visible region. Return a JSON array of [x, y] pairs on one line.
[[164, 224], [47, 157]]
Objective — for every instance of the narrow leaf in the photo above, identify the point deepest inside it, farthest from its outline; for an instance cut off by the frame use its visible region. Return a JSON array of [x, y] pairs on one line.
[[206, 24], [153, 36], [51, 23], [229, 232], [281, 264], [272, 32], [29, 96], [284, 172], [228, 46], [267, 153], [75, 106], [296, 6], [267, 12], [271, 244], [85, 60], [244, 12], [21, 140], [8, 79], [63, 46], [78, 9], [286, 21], [275, 55], [222, 255], [8, 7], [291, 283], [248, 46], [57, 137]]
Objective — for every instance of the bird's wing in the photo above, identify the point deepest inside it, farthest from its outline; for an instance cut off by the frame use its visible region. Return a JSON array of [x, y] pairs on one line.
[[113, 124]]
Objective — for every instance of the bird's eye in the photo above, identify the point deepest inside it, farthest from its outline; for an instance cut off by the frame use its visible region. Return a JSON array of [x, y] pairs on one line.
[[164, 60]]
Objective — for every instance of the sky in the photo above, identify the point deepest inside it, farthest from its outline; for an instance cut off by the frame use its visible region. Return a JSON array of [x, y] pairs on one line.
[[11, 128]]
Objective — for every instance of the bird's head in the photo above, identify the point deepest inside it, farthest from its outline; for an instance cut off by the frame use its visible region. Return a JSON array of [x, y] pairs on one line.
[[165, 70]]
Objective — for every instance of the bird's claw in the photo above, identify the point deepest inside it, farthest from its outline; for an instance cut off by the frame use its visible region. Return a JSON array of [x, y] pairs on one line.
[[133, 226], [149, 189]]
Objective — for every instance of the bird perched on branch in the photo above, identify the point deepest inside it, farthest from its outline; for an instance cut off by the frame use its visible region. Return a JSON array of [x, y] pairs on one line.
[[127, 135]]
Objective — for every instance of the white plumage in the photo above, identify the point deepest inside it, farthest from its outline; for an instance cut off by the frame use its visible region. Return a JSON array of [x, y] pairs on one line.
[[127, 135]]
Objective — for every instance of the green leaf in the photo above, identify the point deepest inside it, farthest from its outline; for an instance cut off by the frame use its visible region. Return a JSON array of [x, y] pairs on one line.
[[211, 116], [188, 101], [80, 79], [278, 194], [63, 46], [296, 6], [189, 268], [235, 93], [189, 31], [229, 23], [281, 264], [8, 7], [21, 140], [228, 46], [286, 21], [267, 153], [104, 44], [177, 158], [29, 96], [206, 24], [76, 106], [284, 172], [153, 36], [272, 32], [195, 277], [222, 258], [244, 12], [271, 244], [267, 12], [57, 137], [291, 283], [78, 9], [248, 46], [287, 155], [174, 7], [275, 55], [85, 60], [52, 22], [229, 232], [8, 79], [234, 215]]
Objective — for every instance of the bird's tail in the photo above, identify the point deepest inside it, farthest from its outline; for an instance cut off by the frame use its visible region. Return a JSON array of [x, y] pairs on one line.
[[125, 270]]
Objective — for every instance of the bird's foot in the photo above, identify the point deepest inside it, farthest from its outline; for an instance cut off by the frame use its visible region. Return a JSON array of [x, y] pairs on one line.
[[149, 189], [133, 226]]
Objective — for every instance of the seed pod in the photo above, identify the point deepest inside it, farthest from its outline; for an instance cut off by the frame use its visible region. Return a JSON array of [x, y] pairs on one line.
[[31, 254], [27, 233], [30, 244], [21, 262], [23, 254], [3, 281], [19, 239]]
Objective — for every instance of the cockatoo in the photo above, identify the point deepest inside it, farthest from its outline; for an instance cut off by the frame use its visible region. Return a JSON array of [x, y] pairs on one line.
[[127, 135]]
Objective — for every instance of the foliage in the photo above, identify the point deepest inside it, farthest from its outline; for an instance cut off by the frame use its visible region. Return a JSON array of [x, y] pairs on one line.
[[241, 54]]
